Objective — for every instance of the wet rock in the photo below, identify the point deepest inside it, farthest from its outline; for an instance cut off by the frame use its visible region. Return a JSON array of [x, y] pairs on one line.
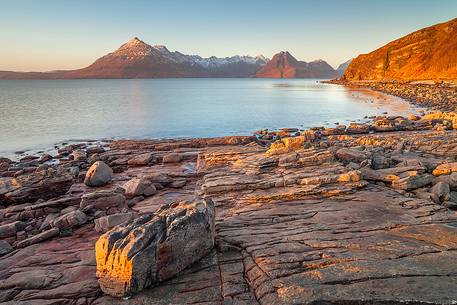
[[95, 150], [154, 248], [106, 223], [45, 184], [102, 200], [139, 187], [38, 238], [70, 220], [442, 191], [98, 174], [172, 158], [141, 160], [5, 247]]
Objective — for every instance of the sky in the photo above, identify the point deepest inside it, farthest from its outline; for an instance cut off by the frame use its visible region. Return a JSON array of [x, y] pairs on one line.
[[44, 35]]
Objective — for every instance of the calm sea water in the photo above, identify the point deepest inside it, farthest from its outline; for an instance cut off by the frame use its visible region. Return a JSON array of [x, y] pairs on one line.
[[37, 114]]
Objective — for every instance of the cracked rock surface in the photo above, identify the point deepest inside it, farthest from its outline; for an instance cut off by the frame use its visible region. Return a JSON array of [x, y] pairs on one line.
[[307, 225]]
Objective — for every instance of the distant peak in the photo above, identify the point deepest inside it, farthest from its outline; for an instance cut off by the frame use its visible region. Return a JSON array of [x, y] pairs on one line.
[[161, 48], [135, 41]]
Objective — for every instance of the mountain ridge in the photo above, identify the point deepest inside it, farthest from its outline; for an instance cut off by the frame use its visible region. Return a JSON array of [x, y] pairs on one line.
[[428, 53], [137, 59], [284, 65]]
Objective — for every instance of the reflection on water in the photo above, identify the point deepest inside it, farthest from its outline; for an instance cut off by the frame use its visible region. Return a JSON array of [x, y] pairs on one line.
[[37, 114]]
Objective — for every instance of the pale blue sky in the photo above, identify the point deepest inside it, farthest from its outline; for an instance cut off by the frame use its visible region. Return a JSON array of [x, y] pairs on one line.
[[40, 35]]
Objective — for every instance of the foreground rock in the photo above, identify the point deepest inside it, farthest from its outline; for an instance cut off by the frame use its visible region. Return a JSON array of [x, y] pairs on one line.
[[154, 248]]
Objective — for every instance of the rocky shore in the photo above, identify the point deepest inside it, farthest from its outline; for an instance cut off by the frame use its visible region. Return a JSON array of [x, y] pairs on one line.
[[440, 95], [357, 214]]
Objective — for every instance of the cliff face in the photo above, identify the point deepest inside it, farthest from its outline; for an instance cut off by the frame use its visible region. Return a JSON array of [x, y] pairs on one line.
[[284, 65], [430, 53]]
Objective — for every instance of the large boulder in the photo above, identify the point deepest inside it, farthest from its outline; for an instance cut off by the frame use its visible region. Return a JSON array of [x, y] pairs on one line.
[[155, 247], [44, 184], [98, 174]]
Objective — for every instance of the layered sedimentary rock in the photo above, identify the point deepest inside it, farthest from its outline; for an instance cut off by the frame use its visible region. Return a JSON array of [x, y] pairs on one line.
[[155, 247], [43, 184], [322, 223]]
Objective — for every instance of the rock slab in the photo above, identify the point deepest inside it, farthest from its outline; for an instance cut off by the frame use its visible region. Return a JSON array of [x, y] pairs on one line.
[[154, 247]]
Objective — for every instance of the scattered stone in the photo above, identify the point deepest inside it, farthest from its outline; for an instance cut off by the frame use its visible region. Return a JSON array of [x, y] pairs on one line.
[[139, 187], [5, 248], [45, 158], [179, 183], [153, 248], [286, 145], [172, 158], [98, 174], [351, 155], [78, 155], [70, 220], [102, 200], [141, 160], [106, 223], [412, 182], [10, 229], [445, 169], [442, 191], [161, 178], [45, 184], [38, 238]]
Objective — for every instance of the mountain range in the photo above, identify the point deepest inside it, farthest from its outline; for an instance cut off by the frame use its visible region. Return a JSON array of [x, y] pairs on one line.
[[429, 53], [137, 59], [284, 65]]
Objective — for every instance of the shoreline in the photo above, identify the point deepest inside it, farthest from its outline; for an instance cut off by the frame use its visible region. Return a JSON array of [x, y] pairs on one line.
[[304, 207], [352, 198], [434, 95], [381, 102]]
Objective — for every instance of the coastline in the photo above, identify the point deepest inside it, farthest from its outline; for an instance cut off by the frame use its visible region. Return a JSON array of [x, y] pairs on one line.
[[358, 195], [434, 95]]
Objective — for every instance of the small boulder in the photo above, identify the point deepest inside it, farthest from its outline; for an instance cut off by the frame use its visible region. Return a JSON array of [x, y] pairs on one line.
[[159, 178], [351, 155], [442, 191], [172, 158], [141, 160], [70, 220], [139, 187], [445, 169], [5, 247], [106, 223], [98, 174], [102, 200], [78, 155], [286, 145]]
